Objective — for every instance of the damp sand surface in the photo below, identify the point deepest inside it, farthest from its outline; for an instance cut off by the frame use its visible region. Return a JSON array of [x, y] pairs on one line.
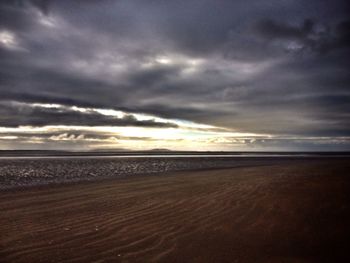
[[291, 211]]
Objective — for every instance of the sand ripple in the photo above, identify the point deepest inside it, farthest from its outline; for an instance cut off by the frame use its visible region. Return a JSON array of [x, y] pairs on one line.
[[295, 212]]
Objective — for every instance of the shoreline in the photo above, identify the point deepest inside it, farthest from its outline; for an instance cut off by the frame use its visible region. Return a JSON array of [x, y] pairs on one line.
[[47, 153], [12, 178]]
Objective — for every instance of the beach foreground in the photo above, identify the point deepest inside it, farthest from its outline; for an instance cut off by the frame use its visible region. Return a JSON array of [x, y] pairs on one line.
[[296, 211]]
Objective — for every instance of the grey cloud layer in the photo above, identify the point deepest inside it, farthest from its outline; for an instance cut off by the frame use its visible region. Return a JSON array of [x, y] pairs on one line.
[[278, 67], [15, 116], [318, 38]]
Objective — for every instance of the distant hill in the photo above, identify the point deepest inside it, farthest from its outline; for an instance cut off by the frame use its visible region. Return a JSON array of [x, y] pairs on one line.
[[157, 151], [160, 150]]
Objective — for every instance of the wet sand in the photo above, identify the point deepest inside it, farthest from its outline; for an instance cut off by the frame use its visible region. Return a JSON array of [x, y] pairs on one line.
[[296, 211]]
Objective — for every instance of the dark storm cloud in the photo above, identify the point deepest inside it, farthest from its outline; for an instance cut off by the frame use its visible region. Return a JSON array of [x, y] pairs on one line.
[[76, 135], [37, 98], [9, 10], [22, 115], [277, 67], [270, 29], [318, 38], [42, 5]]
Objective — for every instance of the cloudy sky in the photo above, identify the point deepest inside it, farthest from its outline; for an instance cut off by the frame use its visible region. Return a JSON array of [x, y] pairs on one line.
[[186, 75]]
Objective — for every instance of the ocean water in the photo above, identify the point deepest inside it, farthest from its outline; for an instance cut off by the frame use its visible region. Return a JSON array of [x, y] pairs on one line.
[[29, 171]]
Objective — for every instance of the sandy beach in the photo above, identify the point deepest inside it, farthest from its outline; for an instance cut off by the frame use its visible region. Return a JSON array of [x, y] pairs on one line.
[[296, 211]]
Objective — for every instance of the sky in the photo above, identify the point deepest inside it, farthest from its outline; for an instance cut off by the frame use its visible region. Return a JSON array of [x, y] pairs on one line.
[[244, 75]]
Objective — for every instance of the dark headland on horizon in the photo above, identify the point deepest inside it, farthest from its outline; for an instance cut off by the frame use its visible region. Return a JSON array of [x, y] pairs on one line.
[[125, 152]]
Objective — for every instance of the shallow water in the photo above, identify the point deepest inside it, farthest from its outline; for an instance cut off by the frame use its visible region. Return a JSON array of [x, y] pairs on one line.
[[16, 172], [28, 171]]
